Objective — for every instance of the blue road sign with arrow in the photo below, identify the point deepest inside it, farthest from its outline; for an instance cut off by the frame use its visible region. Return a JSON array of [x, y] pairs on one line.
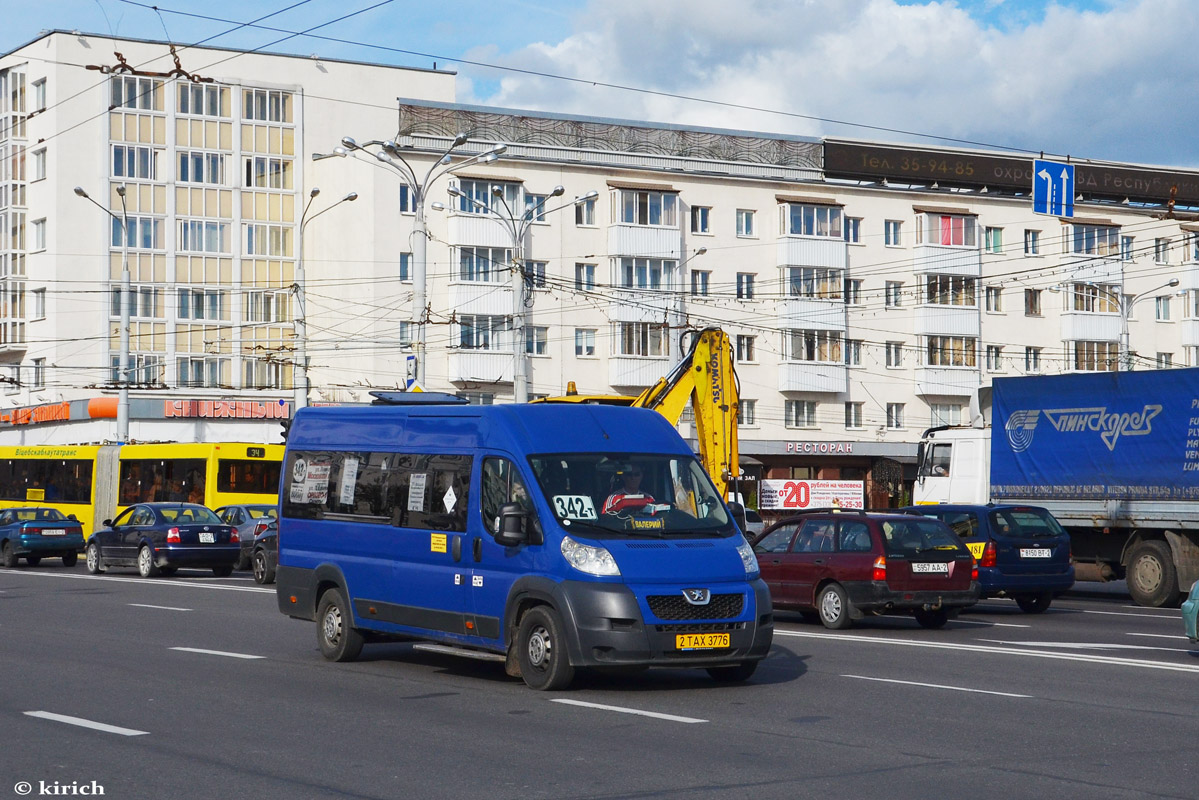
[[1052, 188]]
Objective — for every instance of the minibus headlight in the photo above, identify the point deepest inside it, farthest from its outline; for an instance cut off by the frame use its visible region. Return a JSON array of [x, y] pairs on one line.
[[585, 558], [748, 558]]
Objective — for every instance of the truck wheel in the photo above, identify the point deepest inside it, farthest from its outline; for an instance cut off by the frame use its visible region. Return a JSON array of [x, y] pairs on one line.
[[1152, 580], [335, 632], [1034, 603], [833, 606], [541, 648]]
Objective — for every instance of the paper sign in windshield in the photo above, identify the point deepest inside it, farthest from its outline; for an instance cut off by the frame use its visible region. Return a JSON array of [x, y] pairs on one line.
[[574, 506]]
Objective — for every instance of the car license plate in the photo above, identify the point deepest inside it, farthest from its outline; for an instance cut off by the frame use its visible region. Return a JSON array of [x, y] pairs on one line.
[[1035, 552], [54, 533], [206, 538], [701, 641], [936, 567]]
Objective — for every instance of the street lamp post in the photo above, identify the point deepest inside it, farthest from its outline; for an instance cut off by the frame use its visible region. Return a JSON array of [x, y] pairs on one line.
[[300, 373], [389, 154], [1124, 308], [517, 228], [123, 363]]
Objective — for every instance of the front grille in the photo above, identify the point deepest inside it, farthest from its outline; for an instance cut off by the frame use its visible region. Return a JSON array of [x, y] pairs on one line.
[[701, 627], [675, 606]]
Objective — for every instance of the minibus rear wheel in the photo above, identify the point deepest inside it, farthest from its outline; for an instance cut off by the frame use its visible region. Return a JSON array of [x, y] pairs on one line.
[[541, 649], [339, 640]]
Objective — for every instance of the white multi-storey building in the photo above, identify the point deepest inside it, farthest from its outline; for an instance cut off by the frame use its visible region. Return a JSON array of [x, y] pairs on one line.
[[869, 289]]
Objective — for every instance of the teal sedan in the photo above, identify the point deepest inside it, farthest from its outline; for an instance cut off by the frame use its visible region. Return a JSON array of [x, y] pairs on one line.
[[1190, 612], [37, 533]]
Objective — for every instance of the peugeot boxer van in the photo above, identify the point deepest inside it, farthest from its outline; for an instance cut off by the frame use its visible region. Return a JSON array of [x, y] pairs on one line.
[[481, 531]]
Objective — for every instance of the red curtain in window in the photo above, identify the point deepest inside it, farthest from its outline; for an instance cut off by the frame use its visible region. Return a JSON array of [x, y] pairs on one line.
[[946, 230]]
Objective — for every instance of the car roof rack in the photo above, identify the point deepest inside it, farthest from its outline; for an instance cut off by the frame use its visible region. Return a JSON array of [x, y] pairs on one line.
[[416, 399]]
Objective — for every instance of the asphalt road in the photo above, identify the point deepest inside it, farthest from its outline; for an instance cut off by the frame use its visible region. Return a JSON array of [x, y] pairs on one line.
[[196, 687]]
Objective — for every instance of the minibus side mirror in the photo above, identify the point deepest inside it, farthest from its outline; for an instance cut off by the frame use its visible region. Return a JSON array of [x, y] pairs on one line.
[[513, 522], [738, 514]]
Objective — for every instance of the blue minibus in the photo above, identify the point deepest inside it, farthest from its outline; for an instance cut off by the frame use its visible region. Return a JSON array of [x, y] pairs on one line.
[[547, 537]]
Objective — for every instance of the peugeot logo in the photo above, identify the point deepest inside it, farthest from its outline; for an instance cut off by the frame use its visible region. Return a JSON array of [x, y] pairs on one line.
[[697, 597]]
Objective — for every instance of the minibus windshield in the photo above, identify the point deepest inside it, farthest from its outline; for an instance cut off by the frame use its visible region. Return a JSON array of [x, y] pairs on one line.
[[631, 494]]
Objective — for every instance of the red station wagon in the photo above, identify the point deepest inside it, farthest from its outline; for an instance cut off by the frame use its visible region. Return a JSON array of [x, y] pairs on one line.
[[839, 566]]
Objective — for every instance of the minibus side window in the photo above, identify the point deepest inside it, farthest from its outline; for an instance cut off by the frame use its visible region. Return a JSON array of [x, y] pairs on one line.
[[502, 484]]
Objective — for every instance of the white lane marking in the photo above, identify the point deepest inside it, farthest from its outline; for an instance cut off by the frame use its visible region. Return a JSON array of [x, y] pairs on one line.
[[164, 608], [993, 624], [638, 712], [85, 723], [1126, 614], [1011, 651], [1084, 645], [1164, 611], [142, 581], [1158, 635], [214, 652], [935, 686]]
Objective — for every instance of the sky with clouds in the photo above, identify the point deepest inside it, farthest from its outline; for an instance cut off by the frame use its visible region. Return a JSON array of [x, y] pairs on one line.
[[1114, 80]]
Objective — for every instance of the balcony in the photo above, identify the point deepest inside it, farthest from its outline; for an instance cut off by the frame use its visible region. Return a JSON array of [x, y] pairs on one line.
[[938, 320], [478, 230], [943, 260], [808, 376], [810, 314], [946, 381], [481, 298], [644, 241], [635, 371], [812, 251], [481, 366], [1090, 327], [640, 305]]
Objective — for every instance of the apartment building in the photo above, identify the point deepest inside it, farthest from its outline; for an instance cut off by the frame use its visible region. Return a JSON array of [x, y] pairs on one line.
[[869, 289]]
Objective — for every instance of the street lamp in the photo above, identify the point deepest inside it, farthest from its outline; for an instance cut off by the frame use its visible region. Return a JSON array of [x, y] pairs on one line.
[[680, 310], [123, 370], [300, 379], [517, 228], [1124, 306], [388, 153]]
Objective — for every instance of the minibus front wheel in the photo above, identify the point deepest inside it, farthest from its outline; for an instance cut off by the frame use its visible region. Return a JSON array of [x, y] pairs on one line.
[[541, 650], [335, 632]]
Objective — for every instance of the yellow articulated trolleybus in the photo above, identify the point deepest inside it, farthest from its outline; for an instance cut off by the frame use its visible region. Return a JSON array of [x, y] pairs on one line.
[[95, 482]]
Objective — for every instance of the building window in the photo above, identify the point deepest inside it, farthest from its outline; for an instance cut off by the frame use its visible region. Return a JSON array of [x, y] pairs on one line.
[[643, 339], [534, 272], [585, 277], [812, 220], [405, 266], [267, 240], [1165, 360], [892, 230], [994, 298], [1126, 248], [745, 348], [894, 354], [950, 290], [483, 264], [994, 240], [38, 376], [136, 163], [699, 283], [1032, 302], [1161, 308], [853, 415], [39, 164], [745, 222], [1095, 299], [536, 337], [657, 209], [481, 332], [1161, 251], [747, 412], [585, 213], [143, 368], [853, 230], [478, 196], [853, 292], [816, 346], [745, 286], [145, 302], [477, 398], [208, 304], [535, 206], [800, 413], [406, 335], [951, 351], [701, 219], [39, 303], [263, 105], [892, 294], [137, 93], [268, 173], [203, 236], [200, 167], [265, 306], [1094, 356], [994, 358], [201, 372], [145, 233], [948, 230], [1032, 243], [945, 414], [1095, 240], [853, 352], [37, 235], [1192, 246], [825, 283], [260, 374], [1032, 359], [584, 341], [39, 94], [895, 416], [643, 273], [202, 101]]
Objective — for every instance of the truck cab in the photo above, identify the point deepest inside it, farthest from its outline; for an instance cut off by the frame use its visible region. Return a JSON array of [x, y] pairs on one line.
[[953, 466]]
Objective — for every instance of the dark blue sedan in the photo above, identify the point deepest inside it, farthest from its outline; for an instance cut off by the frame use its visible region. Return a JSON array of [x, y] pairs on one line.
[[158, 538], [37, 533]]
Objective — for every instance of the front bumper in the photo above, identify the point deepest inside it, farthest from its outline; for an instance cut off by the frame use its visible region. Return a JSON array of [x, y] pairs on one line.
[[873, 596], [208, 555]]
